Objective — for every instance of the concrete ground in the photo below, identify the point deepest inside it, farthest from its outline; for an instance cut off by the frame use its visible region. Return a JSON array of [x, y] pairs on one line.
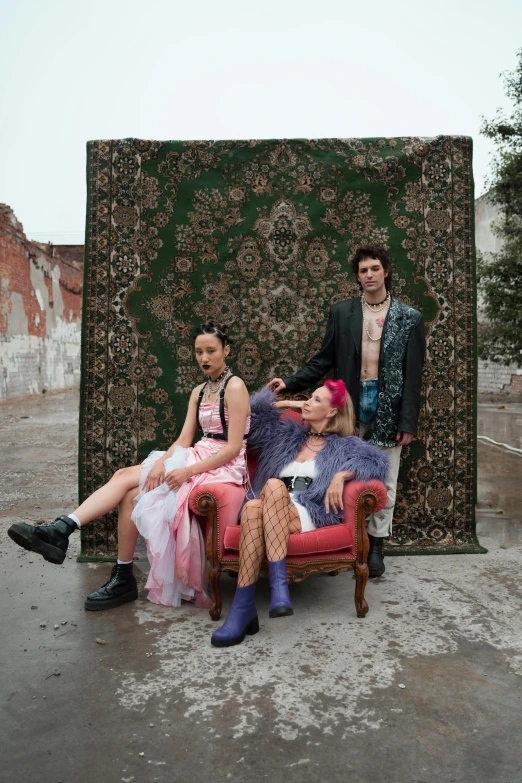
[[426, 689]]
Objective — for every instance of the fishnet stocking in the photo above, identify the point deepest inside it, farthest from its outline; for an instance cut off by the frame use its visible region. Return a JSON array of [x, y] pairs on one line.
[[280, 518], [251, 543]]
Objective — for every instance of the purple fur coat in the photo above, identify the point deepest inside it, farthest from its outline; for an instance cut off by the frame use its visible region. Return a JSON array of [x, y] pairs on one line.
[[280, 441]]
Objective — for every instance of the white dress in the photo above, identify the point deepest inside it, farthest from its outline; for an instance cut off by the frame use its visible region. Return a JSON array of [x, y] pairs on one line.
[[309, 470]]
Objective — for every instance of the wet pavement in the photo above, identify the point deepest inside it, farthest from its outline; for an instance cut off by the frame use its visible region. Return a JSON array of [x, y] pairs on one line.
[[427, 688], [502, 423], [499, 508]]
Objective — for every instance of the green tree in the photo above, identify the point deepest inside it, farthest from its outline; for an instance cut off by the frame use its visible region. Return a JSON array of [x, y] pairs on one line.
[[500, 276]]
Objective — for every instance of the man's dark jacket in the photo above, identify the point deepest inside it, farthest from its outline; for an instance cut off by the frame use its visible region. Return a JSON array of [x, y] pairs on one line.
[[400, 364]]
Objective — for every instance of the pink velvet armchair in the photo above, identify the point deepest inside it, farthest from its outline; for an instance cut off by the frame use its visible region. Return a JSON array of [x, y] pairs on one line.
[[326, 550]]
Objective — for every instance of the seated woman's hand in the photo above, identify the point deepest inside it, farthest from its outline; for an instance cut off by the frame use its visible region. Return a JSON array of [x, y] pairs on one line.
[[295, 405], [155, 477], [334, 494], [176, 478]]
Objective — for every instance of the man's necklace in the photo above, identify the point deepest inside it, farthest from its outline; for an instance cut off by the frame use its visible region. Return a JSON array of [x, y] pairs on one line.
[[380, 306], [375, 308]]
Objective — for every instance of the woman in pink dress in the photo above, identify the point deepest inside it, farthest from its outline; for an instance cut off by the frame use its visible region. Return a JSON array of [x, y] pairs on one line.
[[152, 498]]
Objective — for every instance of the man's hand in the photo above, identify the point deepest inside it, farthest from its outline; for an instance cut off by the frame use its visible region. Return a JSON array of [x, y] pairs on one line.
[[404, 438], [156, 476], [277, 385], [176, 478], [334, 493]]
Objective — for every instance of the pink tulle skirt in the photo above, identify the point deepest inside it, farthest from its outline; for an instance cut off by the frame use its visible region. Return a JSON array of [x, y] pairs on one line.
[[175, 543]]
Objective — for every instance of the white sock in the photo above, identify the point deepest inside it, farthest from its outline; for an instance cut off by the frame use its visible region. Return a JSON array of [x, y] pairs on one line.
[[75, 519], [124, 562]]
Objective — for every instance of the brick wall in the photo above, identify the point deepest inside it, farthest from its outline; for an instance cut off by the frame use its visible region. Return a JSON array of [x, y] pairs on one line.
[[40, 313]]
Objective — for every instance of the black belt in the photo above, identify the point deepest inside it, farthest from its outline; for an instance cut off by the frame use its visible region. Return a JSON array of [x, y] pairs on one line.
[[296, 483]]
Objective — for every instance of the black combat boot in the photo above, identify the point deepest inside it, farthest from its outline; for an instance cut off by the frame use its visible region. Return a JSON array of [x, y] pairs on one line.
[[376, 557], [120, 589], [50, 541]]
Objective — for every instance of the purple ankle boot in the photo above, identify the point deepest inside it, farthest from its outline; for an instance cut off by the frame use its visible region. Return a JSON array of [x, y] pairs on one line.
[[280, 605], [242, 619]]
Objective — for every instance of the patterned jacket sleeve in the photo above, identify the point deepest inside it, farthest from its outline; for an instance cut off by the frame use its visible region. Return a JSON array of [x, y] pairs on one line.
[[413, 366]]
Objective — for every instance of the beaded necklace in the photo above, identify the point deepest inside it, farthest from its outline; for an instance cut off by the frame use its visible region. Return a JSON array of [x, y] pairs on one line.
[[375, 308], [380, 306]]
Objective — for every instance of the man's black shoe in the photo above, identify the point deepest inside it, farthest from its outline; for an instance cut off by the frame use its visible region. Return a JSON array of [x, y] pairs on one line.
[[50, 541], [120, 589], [376, 557]]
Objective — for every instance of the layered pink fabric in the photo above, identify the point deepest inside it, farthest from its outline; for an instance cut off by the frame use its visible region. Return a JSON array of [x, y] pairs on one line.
[[175, 544]]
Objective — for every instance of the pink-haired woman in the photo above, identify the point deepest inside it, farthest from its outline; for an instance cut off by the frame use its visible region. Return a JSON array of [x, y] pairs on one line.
[[298, 486]]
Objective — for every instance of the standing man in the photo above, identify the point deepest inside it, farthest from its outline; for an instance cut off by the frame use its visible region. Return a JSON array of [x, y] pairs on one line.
[[375, 344]]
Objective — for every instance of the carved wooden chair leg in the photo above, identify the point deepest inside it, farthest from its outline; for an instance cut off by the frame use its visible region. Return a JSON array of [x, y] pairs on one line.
[[361, 577], [366, 504], [214, 578]]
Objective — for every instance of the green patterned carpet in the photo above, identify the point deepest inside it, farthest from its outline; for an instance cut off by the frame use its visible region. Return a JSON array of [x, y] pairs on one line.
[[257, 234]]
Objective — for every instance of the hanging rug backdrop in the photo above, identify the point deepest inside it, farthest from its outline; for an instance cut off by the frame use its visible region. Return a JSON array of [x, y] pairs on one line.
[[258, 234]]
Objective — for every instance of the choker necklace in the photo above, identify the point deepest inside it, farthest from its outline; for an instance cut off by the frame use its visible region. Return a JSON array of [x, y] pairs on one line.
[[378, 305], [214, 386], [316, 434]]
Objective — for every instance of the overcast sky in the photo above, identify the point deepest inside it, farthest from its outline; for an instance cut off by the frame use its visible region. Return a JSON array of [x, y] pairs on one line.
[[164, 69]]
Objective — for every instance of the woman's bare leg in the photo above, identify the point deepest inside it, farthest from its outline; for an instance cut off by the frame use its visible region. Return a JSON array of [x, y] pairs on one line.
[[121, 587], [52, 540], [251, 543], [280, 518], [127, 530], [110, 495]]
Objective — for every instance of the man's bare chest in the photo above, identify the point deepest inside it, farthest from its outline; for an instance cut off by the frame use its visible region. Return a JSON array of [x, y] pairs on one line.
[[373, 326]]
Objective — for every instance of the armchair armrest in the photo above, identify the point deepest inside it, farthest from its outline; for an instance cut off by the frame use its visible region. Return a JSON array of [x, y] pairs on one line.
[[361, 498], [227, 499], [220, 504], [353, 489]]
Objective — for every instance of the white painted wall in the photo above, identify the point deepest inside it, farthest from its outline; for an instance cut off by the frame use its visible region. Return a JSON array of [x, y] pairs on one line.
[[31, 364]]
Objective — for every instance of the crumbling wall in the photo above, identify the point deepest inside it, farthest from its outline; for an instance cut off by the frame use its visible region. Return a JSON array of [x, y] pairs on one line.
[[40, 313]]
